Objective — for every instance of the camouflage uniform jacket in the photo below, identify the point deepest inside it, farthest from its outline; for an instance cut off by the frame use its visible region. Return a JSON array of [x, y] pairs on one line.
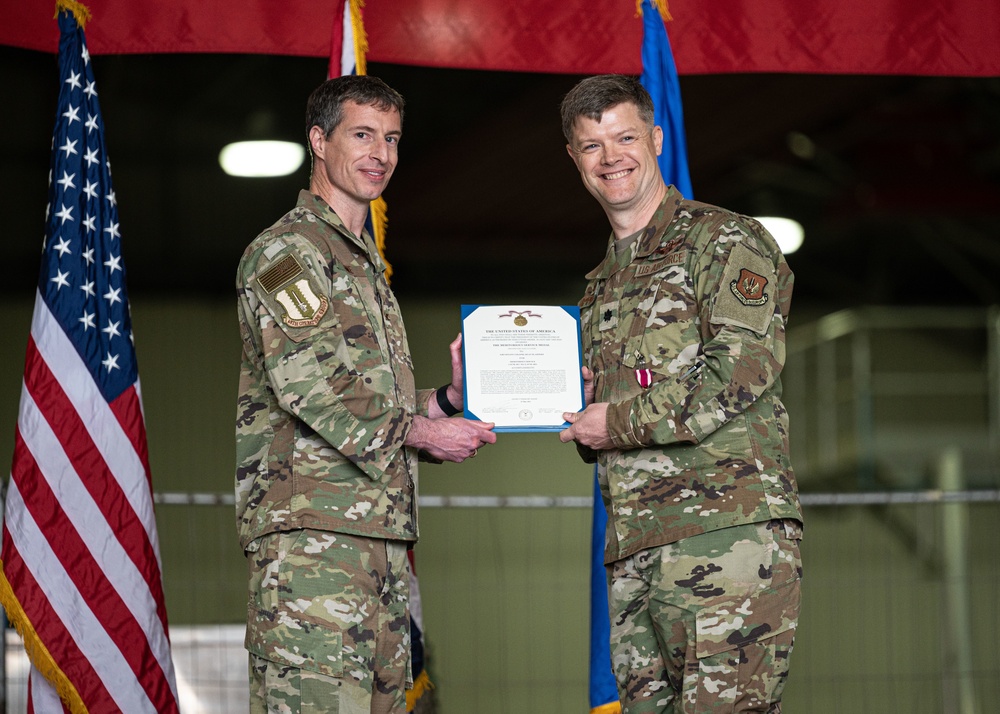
[[326, 392], [686, 335]]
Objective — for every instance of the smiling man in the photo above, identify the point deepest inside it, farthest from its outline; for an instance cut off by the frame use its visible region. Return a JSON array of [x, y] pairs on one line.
[[684, 341], [329, 428]]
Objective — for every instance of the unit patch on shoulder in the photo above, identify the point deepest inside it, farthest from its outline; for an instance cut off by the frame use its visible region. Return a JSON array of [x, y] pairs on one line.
[[279, 273], [749, 288], [303, 308], [744, 296]]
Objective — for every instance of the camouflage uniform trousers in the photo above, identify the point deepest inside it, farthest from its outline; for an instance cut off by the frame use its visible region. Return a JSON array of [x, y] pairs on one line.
[[328, 625], [706, 624]]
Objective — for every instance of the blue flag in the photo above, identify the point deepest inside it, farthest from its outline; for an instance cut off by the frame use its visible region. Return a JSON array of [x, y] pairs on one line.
[[659, 77]]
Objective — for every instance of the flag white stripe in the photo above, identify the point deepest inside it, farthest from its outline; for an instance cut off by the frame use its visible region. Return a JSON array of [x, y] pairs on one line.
[[347, 58], [64, 598], [69, 370], [44, 697], [92, 527]]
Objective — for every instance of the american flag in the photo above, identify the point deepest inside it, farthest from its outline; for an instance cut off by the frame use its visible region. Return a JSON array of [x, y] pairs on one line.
[[80, 572]]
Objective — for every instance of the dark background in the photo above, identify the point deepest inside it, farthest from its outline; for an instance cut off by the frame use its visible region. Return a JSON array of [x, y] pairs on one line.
[[896, 179]]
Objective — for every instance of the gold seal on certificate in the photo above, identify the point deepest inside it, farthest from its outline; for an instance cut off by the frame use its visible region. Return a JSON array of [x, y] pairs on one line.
[[522, 365]]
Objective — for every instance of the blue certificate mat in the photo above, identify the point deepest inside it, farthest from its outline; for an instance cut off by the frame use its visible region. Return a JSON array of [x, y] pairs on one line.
[[522, 365]]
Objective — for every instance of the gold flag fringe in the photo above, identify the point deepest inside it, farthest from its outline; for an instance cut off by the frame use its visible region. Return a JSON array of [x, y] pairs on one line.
[[38, 653], [380, 219], [420, 685], [660, 5], [80, 11], [360, 38], [379, 208]]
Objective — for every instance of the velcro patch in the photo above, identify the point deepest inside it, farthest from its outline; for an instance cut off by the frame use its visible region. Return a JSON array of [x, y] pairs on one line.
[[749, 288], [280, 273], [744, 297], [303, 308], [608, 316]]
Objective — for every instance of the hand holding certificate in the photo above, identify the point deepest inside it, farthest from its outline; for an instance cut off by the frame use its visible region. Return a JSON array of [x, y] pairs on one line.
[[522, 365]]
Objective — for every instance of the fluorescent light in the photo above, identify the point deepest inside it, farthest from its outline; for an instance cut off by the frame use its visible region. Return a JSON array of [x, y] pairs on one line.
[[261, 158], [786, 231]]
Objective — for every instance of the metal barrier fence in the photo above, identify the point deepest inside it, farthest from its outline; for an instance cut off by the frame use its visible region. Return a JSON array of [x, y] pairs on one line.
[[901, 604]]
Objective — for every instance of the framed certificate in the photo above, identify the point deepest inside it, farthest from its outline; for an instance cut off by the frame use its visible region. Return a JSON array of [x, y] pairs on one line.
[[522, 365]]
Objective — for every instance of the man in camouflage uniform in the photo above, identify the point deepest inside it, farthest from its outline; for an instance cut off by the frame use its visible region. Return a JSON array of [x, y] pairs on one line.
[[329, 427], [684, 339]]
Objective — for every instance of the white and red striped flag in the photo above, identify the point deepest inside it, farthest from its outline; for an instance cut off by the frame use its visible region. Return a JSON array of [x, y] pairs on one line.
[[348, 55], [80, 574]]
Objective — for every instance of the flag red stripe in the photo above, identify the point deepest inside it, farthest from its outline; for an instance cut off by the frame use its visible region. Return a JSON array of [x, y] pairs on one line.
[[52, 631], [127, 409], [54, 405], [86, 574]]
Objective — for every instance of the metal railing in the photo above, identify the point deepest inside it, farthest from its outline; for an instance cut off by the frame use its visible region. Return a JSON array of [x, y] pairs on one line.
[[873, 394]]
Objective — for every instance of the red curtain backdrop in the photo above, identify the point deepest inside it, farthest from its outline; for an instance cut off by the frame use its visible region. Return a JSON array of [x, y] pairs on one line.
[[918, 37]]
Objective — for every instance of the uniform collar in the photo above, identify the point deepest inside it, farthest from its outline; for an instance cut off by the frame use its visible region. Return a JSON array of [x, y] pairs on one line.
[[646, 243], [321, 209]]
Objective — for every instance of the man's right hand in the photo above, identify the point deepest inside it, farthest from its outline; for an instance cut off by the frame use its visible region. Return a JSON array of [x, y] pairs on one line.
[[455, 439]]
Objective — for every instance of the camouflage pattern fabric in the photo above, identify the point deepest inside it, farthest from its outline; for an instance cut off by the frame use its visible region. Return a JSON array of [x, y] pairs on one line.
[[329, 626], [707, 624], [326, 393], [685, 332]]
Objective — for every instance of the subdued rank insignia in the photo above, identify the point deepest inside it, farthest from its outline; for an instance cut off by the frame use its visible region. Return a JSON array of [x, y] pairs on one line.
[[608, 316], [749, 288], [303, 308]]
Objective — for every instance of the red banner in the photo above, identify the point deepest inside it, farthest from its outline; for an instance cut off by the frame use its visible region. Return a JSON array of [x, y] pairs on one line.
[[919, 37]]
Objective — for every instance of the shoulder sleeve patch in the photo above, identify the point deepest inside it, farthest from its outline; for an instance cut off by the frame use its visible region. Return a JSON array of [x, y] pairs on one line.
[[290, 295], [744, 297], [302, 306]]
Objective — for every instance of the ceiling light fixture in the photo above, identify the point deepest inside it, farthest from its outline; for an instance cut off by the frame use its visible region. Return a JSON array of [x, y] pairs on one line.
[[261, 158], [786, 231]]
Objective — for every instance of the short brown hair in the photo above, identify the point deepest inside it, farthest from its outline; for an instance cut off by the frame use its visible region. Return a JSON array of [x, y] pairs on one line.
[[592, 96], [325, 107]]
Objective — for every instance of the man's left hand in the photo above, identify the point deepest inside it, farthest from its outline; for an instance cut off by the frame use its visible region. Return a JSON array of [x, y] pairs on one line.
[[588, 428], [455, 389]]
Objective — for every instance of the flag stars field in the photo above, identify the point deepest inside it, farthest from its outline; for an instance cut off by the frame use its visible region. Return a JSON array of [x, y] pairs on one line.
[[72, 114], [67, 181]]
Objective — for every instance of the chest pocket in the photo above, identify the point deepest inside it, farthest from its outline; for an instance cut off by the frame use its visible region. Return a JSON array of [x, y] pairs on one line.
[[397, 347], [357, 333], [665, 319]]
